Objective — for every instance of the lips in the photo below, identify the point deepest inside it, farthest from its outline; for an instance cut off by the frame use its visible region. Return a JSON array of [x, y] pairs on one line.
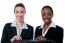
[[45, 20]]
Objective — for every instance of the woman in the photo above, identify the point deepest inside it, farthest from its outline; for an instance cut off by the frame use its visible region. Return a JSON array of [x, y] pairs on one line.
[[17, 30], [48, 30]]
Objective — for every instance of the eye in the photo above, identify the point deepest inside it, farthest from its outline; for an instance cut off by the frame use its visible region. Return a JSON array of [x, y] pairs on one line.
[[22, 11], [17, 11], [49, 14], [43, 14]]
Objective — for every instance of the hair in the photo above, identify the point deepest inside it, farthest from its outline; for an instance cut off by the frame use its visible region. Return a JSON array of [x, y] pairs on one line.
[[19, 5], [49, 8]]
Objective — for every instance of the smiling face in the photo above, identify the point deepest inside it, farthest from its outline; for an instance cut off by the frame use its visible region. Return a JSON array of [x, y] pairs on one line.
[[19, 14], [46, 15]]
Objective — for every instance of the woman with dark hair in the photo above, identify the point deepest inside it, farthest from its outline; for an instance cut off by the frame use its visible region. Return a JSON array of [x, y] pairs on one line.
[[17, 30], [48, 30]]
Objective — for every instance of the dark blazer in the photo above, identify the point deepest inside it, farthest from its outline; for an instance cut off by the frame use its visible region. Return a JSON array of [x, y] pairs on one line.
[[52, 34], [9, 32]]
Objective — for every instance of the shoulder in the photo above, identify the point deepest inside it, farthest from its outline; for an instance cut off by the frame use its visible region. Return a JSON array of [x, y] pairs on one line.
[[38, 27], [59, 28], [7, 25], [29, 26]]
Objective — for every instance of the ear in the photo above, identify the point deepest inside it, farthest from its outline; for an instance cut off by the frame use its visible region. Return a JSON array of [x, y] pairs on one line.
[[52, 15]]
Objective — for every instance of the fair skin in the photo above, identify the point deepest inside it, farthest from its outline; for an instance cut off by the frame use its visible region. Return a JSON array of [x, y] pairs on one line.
[[19, 14], [46, 17]]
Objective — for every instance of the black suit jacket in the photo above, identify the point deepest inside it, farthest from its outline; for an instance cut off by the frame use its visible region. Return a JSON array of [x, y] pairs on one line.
[[9, 32], [52, 34]]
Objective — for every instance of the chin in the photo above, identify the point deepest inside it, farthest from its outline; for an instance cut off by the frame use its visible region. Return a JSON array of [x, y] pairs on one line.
[[20, 21], [47, 22]]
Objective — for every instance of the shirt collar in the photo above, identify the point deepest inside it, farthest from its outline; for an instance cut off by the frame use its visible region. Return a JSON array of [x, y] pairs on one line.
[[51, 25], [23, 27]]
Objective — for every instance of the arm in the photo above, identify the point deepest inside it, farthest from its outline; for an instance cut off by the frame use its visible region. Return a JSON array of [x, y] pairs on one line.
[[5, 38], [60, 36]]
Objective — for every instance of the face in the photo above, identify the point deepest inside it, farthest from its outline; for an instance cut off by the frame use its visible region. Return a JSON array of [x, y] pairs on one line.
[[46, 15], [19, 14]]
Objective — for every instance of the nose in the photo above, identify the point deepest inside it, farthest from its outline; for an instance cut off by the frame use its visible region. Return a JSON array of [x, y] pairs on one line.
[[20, 14], [46, 16]]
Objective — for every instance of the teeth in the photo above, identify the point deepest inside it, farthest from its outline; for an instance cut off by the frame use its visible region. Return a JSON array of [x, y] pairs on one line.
[[46, 20]]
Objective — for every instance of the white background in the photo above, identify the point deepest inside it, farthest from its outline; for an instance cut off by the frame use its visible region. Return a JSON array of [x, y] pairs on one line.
[[33, 12]]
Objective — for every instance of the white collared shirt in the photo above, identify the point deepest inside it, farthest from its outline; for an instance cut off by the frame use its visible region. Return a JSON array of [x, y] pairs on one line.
[[45, 31], [19, 30]]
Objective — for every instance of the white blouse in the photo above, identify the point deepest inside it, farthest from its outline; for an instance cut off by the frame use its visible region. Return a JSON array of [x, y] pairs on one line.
[[45, 31], [19, 30]]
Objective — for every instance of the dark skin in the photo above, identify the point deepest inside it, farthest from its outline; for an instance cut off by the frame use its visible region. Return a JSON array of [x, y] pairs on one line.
[[46, 17]]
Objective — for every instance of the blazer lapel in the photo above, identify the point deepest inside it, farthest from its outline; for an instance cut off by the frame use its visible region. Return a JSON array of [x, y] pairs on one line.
[[40, 31], [24, 33], [14, 31]]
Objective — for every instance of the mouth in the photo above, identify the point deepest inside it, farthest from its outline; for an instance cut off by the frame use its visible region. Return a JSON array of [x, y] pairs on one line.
[[46, 20]]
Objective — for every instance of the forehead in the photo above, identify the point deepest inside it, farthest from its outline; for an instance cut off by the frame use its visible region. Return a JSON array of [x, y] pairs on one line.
[[19, 8], [46, 10]]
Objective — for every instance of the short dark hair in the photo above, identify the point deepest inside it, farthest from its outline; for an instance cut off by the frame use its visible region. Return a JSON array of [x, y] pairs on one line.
[[49, 8], [19, 5]]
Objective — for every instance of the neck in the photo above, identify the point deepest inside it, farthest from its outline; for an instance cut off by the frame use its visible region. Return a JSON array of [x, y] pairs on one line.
[[46, 25], [19, 24]]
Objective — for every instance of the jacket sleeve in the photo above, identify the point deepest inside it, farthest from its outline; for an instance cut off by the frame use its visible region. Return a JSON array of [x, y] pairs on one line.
[[60, 36], [5, 38]]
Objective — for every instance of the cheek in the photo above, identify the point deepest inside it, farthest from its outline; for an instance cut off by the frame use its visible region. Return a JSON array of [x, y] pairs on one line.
[[43, 17], [48, 18], [16, 15], [19, 15]]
